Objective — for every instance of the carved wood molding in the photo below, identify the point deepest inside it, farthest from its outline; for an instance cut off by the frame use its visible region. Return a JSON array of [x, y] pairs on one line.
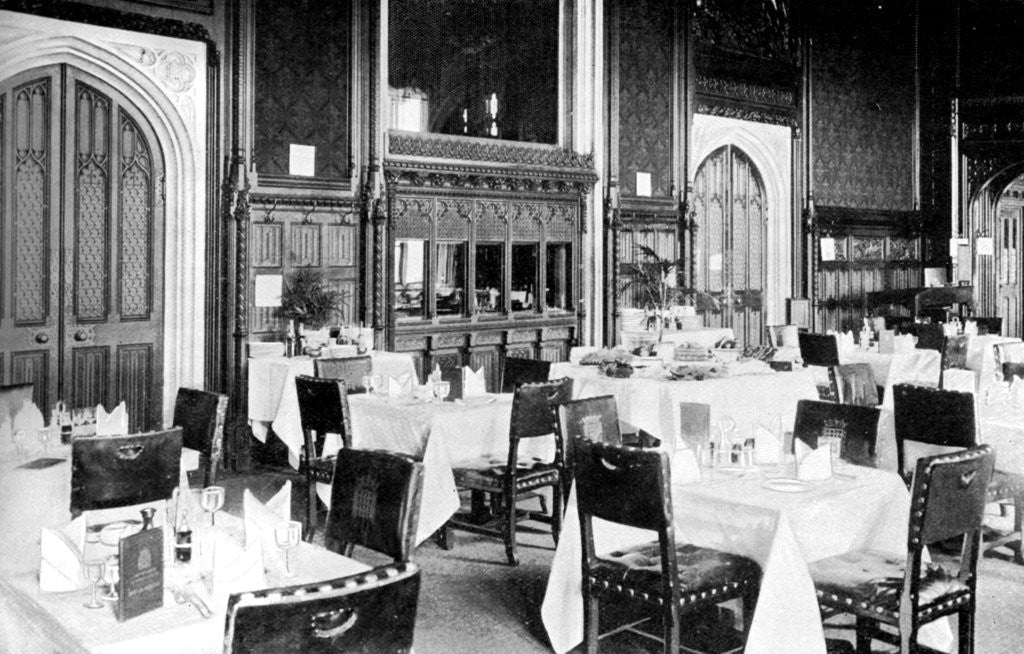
[[1009, 130], [745, 91], [766, 115], [479, 178], [435, 147], [103, 17]]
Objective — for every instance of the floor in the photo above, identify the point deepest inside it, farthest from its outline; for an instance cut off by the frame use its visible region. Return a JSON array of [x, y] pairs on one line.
[[471, 601]]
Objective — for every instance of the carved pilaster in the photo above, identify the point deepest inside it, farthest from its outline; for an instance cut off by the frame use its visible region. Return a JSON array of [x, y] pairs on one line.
[[378, 215]]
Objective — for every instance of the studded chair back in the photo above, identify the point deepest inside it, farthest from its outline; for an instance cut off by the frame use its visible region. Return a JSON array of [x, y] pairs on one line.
[[373, 611], [942, 420], [1011, 370], [989, 325], [929, 336], [375, 503], [857, 384], [350, 370], [323, 409], [200, 414], [627, 486], [114, 471], [595, 419], [819, 349], [954, 352], [518, 370], [855, 426]]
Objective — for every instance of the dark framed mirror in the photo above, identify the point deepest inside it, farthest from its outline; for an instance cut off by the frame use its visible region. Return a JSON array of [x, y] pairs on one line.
[[489, 281], [410, 274]]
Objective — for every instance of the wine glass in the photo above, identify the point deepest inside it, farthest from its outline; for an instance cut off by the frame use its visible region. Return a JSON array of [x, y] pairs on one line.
[[212, 500], [441, 390], [368, 383], [111, 575], [378, 383], [287, 535], [19, 442], [44, 437], [94, 571]]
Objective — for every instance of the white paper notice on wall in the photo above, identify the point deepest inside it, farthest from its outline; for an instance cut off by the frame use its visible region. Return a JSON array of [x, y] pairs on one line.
[[985, 245], [955, 243], [715, 262], [301, 160], [828, 249], [268, 290], [643, 184]]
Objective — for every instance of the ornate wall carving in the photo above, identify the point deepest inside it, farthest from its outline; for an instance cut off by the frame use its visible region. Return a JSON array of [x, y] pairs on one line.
[[439, 147], [761, 29], [863, 119], [646, 86], [302, 86]]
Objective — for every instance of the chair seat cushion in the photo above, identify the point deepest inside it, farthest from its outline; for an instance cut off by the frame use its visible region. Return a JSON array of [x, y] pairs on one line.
[[489, 476], [1005, 485], [703, 572], [870, 583]]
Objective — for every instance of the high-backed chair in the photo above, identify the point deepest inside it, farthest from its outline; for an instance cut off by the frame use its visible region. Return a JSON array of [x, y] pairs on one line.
[[1008, 353], [783, 335], [114, 471], [517, 371], [929, 336], [350, 370], [989, 325], [13, 396], [931, 421], [947, 501], [374, 611], [856, 427], [857, 385], [953, 354], [200, 414], [664, 578], [375, 503], [323, 409], [822, 350], [534, 415], [595, 419]]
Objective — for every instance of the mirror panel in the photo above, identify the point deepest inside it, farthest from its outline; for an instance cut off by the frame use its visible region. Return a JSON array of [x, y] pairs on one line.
[[490, 278], [410, 273], [450, 276], [559, 276]]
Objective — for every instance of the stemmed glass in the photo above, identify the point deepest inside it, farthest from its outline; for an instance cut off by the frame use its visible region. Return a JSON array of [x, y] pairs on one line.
[[44, 438], [19, 442], [441, 390], [368, 383], [287, 535], [212, 500], [94, 571], [111, 575], [377, 382]]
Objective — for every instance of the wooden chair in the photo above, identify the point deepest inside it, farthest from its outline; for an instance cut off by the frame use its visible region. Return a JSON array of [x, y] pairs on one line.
[[930, 336], [663, 578], [989, 325], [200, 414], [856, 383], [534, 415], [375, 503], [931, 421], [783, 335], [1008, 353], [822, 350], [374, 611], [856, 427], [953, 354], [113, 471], [947, 502], [517, 371], [350, 370], [323, 409], [595, 419]]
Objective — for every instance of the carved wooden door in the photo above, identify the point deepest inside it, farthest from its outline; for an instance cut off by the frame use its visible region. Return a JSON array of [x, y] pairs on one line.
[[81, 237], [729, 249], [1008, 268]]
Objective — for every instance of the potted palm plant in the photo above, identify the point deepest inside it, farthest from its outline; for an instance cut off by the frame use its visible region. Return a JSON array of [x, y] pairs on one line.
[[307, 301]]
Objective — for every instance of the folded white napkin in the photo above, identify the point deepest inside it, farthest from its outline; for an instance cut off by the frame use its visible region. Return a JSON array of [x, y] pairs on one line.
[[846, 342], [27, 417], [365, 339], [317, 337], [473, 382], [261, 520], [60, 561], [767, 446], [970, 328], [435, 375], [237, 569], [401, 387], [114, 423], [904, 343], [685, 467], [813, 464]]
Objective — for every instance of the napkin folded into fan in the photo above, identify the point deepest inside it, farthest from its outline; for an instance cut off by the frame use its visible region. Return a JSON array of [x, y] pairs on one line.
[[813, 464], [401, 387], [767, 446], [846, 341], [261, 520], [60, 561], [473, 382], [970, 328], [114, 423], [904, 343]]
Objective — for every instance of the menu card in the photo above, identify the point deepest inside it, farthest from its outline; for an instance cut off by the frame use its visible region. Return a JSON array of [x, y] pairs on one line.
[[140, 587]]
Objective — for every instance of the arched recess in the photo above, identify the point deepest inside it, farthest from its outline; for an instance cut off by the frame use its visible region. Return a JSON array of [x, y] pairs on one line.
[[165, 79], [994, 214], [769, 148]]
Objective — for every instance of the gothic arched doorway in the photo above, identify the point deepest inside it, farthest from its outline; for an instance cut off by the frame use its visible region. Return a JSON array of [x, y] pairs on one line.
[[730, 244], [997, 215], [82, 228]]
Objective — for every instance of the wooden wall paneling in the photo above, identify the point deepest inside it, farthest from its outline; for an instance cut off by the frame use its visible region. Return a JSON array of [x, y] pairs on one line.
[[522, 343], [135, 367], [446, 351], [555, 343], [416, 347], [32, 366], [485, 350]]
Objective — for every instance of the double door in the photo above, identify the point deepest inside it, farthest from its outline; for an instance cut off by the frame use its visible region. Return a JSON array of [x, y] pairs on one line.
[[81, 241]]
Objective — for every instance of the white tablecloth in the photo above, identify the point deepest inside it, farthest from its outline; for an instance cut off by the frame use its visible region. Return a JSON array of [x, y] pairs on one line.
[[273, 402], [34, 621], [781, 531], [652, 403], [443, 435]]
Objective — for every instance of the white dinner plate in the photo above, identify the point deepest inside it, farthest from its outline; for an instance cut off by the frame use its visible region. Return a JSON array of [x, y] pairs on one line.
[[115, 531], [477, 400], [787, 485]]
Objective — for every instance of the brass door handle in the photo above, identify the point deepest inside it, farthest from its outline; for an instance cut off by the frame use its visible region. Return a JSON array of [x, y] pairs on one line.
[[42, 338], [81, 335]]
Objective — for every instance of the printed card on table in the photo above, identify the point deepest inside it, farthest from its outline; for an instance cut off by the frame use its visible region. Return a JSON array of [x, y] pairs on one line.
[[140, 587]]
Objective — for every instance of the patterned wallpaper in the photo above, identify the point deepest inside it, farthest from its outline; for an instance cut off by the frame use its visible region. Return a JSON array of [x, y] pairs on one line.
[[645, 96], [863, 119], [302, 85]]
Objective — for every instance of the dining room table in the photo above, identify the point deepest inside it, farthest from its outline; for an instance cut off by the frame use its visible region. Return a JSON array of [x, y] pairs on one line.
[[650, 398], [748, 512], [274, 402]]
